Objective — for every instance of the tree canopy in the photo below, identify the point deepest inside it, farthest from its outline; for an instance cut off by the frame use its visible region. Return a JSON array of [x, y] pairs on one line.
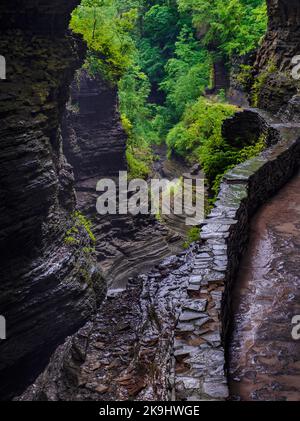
[[161, 53]]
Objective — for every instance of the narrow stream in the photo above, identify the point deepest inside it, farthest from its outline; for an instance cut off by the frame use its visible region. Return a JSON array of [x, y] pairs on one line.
[[264, 359]]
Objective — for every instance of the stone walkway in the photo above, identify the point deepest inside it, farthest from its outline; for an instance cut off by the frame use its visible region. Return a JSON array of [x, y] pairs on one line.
[[199, 356], [124, 353]]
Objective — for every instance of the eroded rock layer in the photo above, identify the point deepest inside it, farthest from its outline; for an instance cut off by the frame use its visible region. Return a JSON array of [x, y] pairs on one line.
[[94, 140], [283, 36], [124, 352], [47, 288], [274, 60], [95, 144]]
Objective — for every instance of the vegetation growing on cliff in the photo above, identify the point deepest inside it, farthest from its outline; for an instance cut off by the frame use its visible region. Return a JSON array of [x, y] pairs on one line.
[[108, 37], [162, 53], [80, 225], [231, 27]]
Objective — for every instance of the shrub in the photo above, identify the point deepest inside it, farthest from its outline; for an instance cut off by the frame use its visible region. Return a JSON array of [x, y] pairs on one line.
[[138, 163], [193, 235], [198, 137]]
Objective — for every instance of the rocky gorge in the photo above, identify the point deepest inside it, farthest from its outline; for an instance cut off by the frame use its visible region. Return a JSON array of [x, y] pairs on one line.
[[47, 290], [162, 330], [95, 144]]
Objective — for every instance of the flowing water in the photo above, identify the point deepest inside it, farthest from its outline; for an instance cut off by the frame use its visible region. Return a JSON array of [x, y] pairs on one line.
[[264, 359]]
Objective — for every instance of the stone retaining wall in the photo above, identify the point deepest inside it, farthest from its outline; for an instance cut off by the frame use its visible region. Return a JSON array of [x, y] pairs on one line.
[[204, 323]]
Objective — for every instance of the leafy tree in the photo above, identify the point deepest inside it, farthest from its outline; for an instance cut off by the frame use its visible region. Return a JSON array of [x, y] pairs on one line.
[[228, 27], [160, 53], [187, 73], [198, 136], [160, 29], [107, 33]]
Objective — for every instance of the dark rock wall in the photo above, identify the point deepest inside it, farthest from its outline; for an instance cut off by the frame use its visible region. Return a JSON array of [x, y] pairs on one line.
[[38, 16], [282, 40], [94, 140], [47, 288], [124, 353], [94, 143], [247, 127], [281, 44]]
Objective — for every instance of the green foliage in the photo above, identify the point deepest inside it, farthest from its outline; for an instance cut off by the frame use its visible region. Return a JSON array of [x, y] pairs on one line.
[[134, 90], [81, 221], [187, 73], [229, 27], [245, 76], [217, 157], [160, 53], [161, 26], [192, 236], [71, 241], [260, 82], [139, 161], [79, 224], [107, 34], [199, 137], [201, 123], [139, 121]]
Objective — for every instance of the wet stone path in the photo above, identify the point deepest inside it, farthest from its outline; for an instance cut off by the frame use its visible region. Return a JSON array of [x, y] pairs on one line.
[[124, 352], [264, 359]]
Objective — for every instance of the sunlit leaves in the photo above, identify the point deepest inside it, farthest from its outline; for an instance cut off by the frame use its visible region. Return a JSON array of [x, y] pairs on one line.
[[232, 26], [107, 34]]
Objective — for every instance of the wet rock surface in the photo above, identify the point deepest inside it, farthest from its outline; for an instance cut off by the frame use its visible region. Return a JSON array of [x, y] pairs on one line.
[[163, 337], [124, 352], [95, 144], [201, 335], [249, 126], [198, 352], [281, 42], [264, 360], [94, 140], [43, 294], [280, 45], [126, 245]]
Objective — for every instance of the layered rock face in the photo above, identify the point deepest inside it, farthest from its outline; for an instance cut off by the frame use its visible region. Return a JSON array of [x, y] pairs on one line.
[[280, 45], [48, 288], [283, 37], [124, 352], [94, 140], [94, 143]]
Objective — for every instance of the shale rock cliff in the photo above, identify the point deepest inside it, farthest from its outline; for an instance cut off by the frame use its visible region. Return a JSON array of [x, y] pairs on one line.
[[48, 288], [94, 142], [274, 84]]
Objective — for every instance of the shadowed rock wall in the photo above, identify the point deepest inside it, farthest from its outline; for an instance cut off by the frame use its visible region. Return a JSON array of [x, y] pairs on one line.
[[48, 288], [282, 40], [94, 140], [280, 45]]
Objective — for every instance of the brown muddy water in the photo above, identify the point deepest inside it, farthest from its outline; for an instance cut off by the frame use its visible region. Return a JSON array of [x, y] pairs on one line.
[[264, 359]]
